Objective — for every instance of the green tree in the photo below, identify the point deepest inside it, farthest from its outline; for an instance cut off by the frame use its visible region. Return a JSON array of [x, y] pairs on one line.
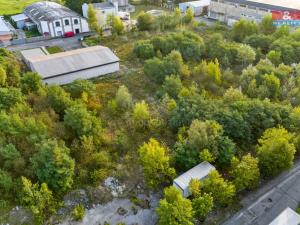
[[31, 82], [245, 54], [206, 155], [272, 83], [10, 97], [204, 135], [11, 159], [145, 21], [3, 76], [117, 25], [157, 69], [141, 114], [275, 151], [81, 121], [189, 15], [274, 57], [78, 87], [6, 183], [78, 212], [242, 29], [209, 72], [92, 18], [53, 165], [266, 25], [245, 172], [58, 98], [195, 188], [202, 205], [38, 199], [144, 49], [155, 161], [174, 209], [172, 86], [221, 190], [123, 98]]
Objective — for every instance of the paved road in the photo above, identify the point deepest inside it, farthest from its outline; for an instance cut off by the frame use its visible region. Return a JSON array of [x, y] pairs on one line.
[[262, 206], [65, 43]]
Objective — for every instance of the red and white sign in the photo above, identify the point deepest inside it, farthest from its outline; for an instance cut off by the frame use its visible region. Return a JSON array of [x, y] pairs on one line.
[[286, 15]]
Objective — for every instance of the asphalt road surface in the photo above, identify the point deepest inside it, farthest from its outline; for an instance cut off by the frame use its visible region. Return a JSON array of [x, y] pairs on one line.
[[65, 43], [264, 205]]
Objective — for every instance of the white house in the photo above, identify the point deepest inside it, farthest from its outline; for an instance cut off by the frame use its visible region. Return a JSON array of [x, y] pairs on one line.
[[65, 67], [287, 217], [198, 7], [20, 20], [56, 20], [199, 172], [6, 32], [103, 10]]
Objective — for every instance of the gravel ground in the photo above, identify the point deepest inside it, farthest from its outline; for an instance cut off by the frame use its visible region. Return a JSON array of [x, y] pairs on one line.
[[117, 211]]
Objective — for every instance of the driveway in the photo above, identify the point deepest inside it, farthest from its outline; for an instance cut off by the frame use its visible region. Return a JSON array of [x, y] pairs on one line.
[[65, 43], [264, 205]]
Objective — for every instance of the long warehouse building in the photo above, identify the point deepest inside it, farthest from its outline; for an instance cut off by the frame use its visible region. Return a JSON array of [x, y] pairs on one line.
[[65, 67], [230, 11]]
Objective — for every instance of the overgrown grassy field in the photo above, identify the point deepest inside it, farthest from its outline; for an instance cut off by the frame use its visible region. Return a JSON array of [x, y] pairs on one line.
[[10, 7]]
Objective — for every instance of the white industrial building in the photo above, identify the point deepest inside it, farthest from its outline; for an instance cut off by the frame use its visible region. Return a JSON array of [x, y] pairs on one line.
[[198, 172], [198, 7], [103, 10], [65, 67], [230, 11], [55, 20], [287, 217]]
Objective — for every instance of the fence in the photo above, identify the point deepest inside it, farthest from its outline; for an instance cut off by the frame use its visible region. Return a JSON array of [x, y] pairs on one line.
[[29, 40]]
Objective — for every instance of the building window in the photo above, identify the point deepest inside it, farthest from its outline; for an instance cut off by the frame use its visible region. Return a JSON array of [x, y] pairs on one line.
[[67, 22], [57, 24], [76, 21]]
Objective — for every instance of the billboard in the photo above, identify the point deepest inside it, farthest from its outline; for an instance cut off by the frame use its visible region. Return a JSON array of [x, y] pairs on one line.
[[291, 18]]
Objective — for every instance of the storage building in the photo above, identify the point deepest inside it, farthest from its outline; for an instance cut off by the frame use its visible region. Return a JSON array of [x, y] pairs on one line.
[[20, 20], [199, 172], [198, 7], [65, 67], [55, 20]]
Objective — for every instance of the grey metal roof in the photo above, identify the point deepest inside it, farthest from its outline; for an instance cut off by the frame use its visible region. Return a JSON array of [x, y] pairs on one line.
[[270, 4], [4, 27], [71, 61], [30, 53], [103, 5], [19, 17], [198, 172], [48, 11]]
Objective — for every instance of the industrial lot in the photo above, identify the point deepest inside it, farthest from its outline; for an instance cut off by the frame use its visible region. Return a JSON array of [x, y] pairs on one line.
[[158, 112]]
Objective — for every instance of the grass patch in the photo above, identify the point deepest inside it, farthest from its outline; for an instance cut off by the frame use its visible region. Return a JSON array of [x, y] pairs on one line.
[[54, 49], [10, 7], [32, 33]]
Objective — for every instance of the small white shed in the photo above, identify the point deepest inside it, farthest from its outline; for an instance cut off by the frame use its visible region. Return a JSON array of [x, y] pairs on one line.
[[199, 172], [197, 6], [20, 20]]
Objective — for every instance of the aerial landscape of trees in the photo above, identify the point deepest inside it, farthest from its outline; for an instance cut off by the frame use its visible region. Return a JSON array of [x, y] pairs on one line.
[[188, 93]]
